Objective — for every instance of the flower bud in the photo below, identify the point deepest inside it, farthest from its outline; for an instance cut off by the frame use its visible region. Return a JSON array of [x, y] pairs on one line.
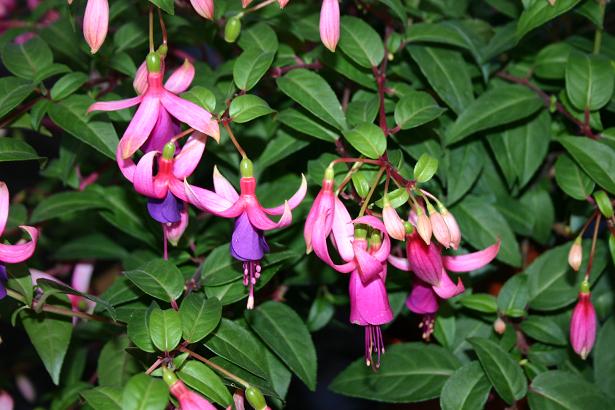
[[392, 222], [283, 3], [423, 225], [575, 255], [499, 326], [256, 398], [96, 23], [232, 29], [330, 23], [451, 224], [245, 3], [6, 401], [439, 227], [583, 323], [205, 8]]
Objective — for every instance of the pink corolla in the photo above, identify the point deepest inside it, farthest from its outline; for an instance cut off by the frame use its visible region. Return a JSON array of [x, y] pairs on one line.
[[80, 281], [96, 23], [248, 243], [188, 399], [330, 23], [6, 401], [205, 8], [583, 323], [159, 103], [21, 251]]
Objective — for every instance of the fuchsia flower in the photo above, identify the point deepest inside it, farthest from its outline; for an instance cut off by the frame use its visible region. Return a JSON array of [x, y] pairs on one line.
[[82, 277], [6, 401], [19, 252], [205, 8], [283, 3], [330, 23], [6, 8], [188, 399], [96, 23], [155, 105], [394, 224], [583, 323], [248, 243]]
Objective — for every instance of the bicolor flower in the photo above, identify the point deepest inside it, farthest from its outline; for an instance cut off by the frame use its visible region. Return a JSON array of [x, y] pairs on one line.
[[322, 211], [248, 243], [583, 323], [21, 251], [205, 8], [96, 23], [330, 23], [188, 399], [155, 99]]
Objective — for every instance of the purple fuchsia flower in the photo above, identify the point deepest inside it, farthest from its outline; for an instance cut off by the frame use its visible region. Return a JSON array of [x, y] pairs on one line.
[[21, 251], [248, 243], [155, 99], [583, 323]]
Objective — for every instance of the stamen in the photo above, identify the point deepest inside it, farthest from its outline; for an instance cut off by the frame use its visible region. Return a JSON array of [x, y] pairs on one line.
[[427, 324], [374, 343]]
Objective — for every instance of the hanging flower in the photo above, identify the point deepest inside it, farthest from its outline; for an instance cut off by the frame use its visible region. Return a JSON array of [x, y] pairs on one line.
[[19, 252], [248, 243], [583, 323], [188, 399], [155, 99]]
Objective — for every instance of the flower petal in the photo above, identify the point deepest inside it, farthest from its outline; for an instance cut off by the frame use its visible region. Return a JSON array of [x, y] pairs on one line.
[[144, 181], [385, 249], [174, 232], [399, 263], [342, 231], [181, 78], [223, 187], [166, 127], [82, 275], [425, 260], [4, 206], [187, 160], [209, 201], [368, 266], [294, 201], [323, 204], [191, 114], [20, 252], [140, 126], [422, 299], [140, 81], [471, 261], [369, 303], [127, 166], [260, 220], [319, 243], [115, 105], [446, 289]]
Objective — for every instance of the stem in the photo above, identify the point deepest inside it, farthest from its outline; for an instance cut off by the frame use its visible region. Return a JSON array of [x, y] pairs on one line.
[[279, 71], [163, 27], [153, 367], [234, 140], [348, 176], [165, 246], [593, 249], [217, 368], [362, 160], [259, 6], [62, 311], [182, 134], [599, 30], [375, 183], [151, 28]]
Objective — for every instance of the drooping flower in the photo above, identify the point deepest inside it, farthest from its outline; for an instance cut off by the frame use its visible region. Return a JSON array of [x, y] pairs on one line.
[[575, 255], [248, 244], [322, 210], [96, 23], [155, 99], [6, 401], [205, 8], [583, 323], [188, 399], [423, 225], [330, 23], [21, 251]]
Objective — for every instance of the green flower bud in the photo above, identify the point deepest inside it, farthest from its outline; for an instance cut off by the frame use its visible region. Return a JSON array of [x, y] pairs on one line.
[[232, 29], [154, 64], [246, 168], [255, 398], [162, 51]]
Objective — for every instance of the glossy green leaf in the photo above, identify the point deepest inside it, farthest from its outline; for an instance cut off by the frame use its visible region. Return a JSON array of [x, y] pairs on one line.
[[302, 123], [604, 366], [158, 278], [13, 91], [13, 149], [513, 297], [551, 61], [28, 59], [540, 12], [416, 108], [250, 67], [425, 168], [465, 163], [589, 81], [143, 392], [248, 107], [199, 316], [467, 389], [67, 85], [320, 314], [544, 330], [104, 398], [572, 179], [165, 328], [481, 302], [115, 364], [166, 5], [95, 246], [360, 42], [368, 139], [260, 36], [138, 329], [64, 203], [204, 380], [595, 158], [561, 390], [201, 96]]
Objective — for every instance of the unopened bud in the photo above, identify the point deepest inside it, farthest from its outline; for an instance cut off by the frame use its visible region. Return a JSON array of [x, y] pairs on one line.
[[575, 255], [169, 376], [393, 223], [232, 29], [256, 398], [453, 228], [499, 326], [96, 23], [360, 232], [583, 323], [439, 227], [329, 173], [423, 225]]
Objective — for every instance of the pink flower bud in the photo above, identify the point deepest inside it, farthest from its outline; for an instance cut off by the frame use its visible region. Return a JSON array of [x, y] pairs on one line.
[[439, 227], [25, 387], [575, 255], [174, 231], [283, 3], [499, 326], [453, 228], [204, 8], [96, 23], [245, 3], [423, 225], [330, 23], [6, 401], [393, 223], [583, 324]]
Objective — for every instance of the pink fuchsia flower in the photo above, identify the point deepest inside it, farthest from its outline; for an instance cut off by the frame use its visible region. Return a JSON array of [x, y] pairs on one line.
[[21, 251], [155, 99], [283, 3], [322, 211], [330, 23], [96, 23], [205, 8], [7, 7], [188, 399], [583, 323], [248, 243], [245, 3], [80, 281], [438, 226], [6, 401]]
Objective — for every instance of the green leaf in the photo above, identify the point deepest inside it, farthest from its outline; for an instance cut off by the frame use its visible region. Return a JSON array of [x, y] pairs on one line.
[[514, 296], [540, 12], [115, 364], [496, 106], [95, 246], [368, 139], [250, 67], [561, 390], [201, 96], [138, 329], [551, 61], [143, 392], [50, 335], [129, 36], [302, 123], [28, 59], [280, 147], [596, 158], [482, 225], [416, 108], [320, 314], [284, 332], [70, 115], [467, 389], [64, 203], [504, 373], [199, 316], [572, 179], [456, 33], [360, 42], [401, 378], [13, 91], [104, 398], [544, 330], [589, 81], [13, 149], [425, 168], [314, 94], [260, 37], [446, 72], [67, 85], [464, 164], [158, 278], [52, 285], [481, 302], [239, 346], [166, 5], [604, 366], [202, 379], [248, 107], [20, 280], [165, 328]]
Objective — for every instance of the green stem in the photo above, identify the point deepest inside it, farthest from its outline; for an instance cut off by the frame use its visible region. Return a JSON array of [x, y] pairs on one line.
[[592, 252], [599, 30], [151, 28], [375, 183], [214, 366]]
